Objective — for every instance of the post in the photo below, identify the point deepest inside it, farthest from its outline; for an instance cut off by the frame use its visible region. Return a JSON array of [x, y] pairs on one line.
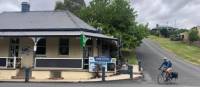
[[34, 51], [6, 62], [27, 74], [103, 74], [130, 69], [139, 65], [14, 62], [83, 64], [35, 41]]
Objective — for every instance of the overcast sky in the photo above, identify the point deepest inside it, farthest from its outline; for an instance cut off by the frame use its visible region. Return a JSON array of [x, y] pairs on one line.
[[178, 13]]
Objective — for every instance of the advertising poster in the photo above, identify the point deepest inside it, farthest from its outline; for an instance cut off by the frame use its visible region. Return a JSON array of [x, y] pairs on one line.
[[102, 61]]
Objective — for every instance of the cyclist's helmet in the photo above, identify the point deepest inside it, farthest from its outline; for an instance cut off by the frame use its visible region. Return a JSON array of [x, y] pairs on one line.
[[165, 58]]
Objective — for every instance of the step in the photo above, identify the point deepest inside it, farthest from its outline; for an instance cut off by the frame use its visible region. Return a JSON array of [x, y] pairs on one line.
[[20, 77]]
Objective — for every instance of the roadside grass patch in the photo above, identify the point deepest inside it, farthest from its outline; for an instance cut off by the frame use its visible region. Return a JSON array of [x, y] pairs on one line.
[[190, 53], [129, 55]]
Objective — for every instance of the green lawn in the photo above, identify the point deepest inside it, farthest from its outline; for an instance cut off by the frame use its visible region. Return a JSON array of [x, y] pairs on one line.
[[130, 56], [188, 52]]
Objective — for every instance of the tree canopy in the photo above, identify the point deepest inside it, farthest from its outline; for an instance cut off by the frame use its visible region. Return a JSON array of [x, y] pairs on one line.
[[72, 5], [113, 17]]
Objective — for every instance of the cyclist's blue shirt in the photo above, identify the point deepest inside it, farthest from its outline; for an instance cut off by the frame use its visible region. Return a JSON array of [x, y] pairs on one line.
[[166, 64]]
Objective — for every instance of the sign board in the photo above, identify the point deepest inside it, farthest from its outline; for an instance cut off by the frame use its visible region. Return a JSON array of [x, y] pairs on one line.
[[59, 63], [102, 61]]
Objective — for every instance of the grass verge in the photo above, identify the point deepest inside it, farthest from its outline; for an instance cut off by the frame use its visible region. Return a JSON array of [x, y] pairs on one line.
[[129, 55], [188, 52]]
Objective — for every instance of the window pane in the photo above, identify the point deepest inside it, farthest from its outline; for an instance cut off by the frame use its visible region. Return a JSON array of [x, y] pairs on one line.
[[64, 46], [41, 50], [41, 42], [64, 50], [41, 47]]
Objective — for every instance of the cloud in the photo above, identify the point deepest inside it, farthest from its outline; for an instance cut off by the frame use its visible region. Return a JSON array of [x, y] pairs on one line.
[[36, 5], [40, 5], [177, 13], [8, 5]]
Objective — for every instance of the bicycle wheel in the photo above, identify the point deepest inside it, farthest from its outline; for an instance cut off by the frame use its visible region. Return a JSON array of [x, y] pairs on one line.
[[160, 79]]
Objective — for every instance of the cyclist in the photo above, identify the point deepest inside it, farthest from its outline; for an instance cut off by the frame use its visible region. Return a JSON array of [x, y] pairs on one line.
[[167, 67]]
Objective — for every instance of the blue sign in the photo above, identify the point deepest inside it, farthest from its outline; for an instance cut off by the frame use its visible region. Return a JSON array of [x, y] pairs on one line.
[[102, 59]]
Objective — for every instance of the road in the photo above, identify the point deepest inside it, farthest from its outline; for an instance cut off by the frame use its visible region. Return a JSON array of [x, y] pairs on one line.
[[150, 54]]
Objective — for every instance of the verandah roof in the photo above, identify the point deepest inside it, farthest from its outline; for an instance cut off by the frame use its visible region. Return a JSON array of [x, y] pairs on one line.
[[52, 33]]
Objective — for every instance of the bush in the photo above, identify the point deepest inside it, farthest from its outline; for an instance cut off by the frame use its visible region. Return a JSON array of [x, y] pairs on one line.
[[193, 35]]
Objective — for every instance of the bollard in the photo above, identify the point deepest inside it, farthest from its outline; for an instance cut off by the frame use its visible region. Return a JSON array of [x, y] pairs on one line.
[[103, 74], [139, 65], [27, 74], [130, 69]]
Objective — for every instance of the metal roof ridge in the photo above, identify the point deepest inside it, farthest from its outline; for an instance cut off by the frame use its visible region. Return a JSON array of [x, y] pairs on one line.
[[33, 11], [69, 15]]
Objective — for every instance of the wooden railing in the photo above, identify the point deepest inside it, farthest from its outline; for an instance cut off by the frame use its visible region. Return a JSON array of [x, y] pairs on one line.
[[10, 62]]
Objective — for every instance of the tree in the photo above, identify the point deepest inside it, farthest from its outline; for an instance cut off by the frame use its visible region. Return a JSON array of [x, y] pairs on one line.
[[72, 5], [193, 35], [116, 18], [113, 17]]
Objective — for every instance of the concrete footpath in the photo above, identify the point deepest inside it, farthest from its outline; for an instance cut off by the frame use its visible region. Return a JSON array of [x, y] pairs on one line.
[[136, 75]]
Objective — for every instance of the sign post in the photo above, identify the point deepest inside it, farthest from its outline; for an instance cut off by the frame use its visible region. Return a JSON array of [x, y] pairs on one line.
[[103, 74]]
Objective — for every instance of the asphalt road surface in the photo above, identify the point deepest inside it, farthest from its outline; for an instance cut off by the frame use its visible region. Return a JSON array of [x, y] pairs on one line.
[[150, 54]]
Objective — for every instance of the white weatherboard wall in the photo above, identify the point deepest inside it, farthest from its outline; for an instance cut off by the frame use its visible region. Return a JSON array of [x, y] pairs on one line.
[[4, 47], [7, 74]]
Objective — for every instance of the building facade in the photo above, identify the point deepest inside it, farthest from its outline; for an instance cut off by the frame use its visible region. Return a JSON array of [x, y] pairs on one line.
[[48, 42]]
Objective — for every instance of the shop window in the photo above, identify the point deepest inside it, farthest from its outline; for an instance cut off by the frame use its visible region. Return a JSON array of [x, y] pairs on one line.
[[41, 47], [64, 46]]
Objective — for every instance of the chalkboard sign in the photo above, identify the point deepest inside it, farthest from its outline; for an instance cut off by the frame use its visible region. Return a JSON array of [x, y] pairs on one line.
[[2, 62], [111, 66], [59, 63]]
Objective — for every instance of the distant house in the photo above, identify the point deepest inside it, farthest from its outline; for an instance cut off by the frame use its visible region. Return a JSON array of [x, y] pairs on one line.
[[49, 42], [197, 28], [184, 35], [158, 30]]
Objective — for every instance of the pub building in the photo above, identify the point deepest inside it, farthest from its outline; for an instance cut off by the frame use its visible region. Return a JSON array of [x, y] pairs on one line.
[[48, 42]]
